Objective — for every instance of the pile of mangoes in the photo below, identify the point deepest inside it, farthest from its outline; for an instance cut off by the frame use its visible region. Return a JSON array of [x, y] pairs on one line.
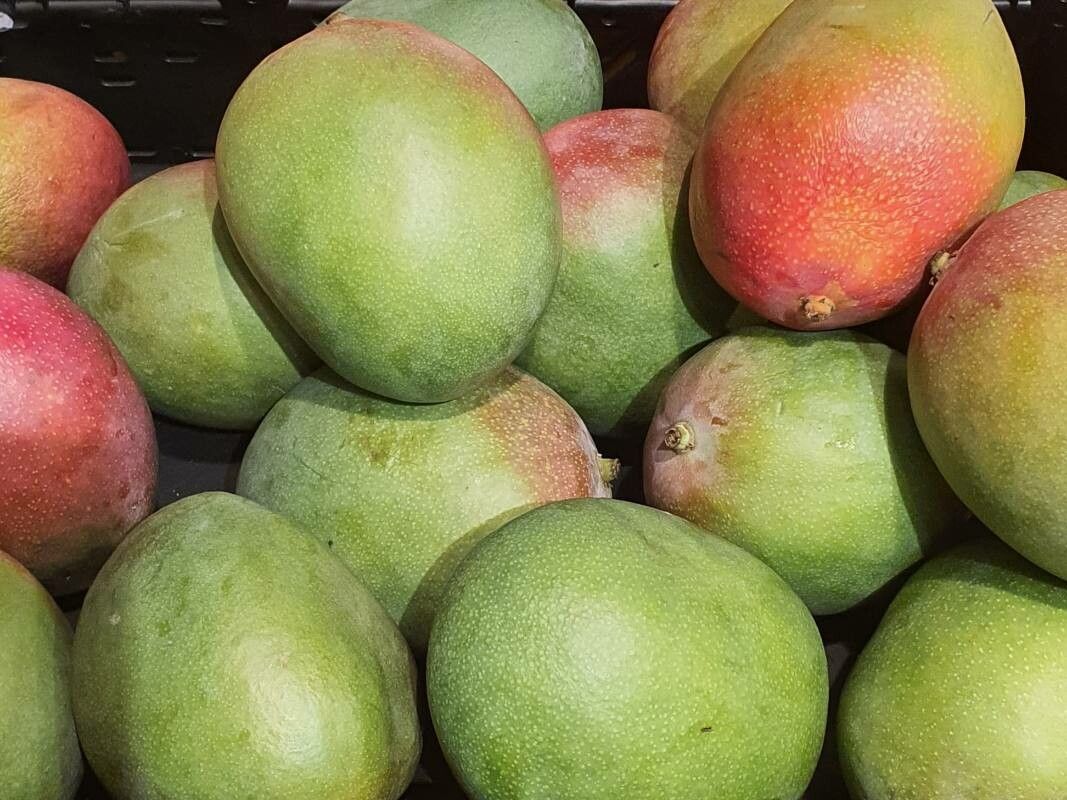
[[438, 282]]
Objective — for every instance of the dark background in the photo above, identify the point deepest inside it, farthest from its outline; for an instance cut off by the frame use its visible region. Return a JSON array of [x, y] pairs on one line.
[[163, 72]]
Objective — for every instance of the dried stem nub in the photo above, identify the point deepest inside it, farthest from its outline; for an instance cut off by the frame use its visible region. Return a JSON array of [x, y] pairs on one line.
[[679, 437]]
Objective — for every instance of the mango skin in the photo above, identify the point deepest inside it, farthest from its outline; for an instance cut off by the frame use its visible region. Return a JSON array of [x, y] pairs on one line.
[[39, 754], [632, 298], [225, 653], [412, 488], [962, 690], [1027, 183], [600, 650], [805, 454], [395, 200], [698, 46], [77, 444], [987, 369], [848, 148], [539, 48], [160, 274], [63, 164]]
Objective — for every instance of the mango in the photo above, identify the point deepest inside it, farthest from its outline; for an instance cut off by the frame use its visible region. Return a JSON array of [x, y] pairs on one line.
[[402, 492], [962, 690], [63, 164], [395, 200], [801, 449], [988, 376], [539, 48], [223, 652], [77, 444], [599, 650], [39, 754], [1027, 183], [848, 149], [632, 298], [161, 275]]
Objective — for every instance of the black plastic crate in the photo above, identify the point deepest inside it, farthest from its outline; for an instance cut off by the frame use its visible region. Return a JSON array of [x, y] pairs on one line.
[[163, 72]]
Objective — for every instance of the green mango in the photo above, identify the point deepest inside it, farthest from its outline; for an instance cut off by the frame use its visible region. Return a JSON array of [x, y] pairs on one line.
[[395, 200], [632, 299], [39, 755], [599, 650], [539, 48], [224, 653], [801, 449], [1028, 183], [962, 691], [402, 492], [987, 371], [160, 274]]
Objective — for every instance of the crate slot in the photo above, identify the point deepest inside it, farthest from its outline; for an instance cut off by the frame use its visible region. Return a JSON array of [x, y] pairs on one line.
[[181, 58], [111, 57]]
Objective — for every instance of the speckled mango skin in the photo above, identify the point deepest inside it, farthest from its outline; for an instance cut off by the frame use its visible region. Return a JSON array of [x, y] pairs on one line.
[[698, 46], [77, 445], [62, 166], [160, 274], [225, 654], [600, 650], [39, 754], [1027, 183], [962, 691], [632, 298], [805, 454], [848, 148], [539, 48], [987, 370], [402, 492], [395, 200]]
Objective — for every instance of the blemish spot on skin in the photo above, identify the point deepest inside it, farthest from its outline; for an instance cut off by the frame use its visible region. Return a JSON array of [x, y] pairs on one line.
[[114, 619]]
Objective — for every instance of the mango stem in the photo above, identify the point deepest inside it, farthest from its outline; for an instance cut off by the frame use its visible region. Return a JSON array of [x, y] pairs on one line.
[[679, 437], [938, 264], [817, 307], [609, 469]]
